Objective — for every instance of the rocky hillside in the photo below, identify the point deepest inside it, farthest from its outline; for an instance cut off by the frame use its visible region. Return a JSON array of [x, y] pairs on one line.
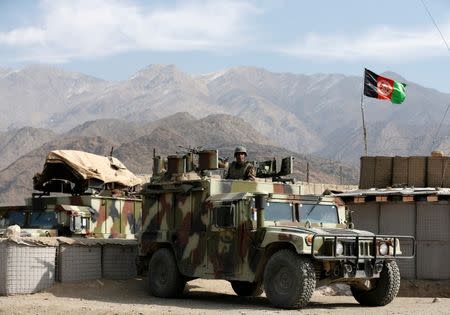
[[166, 136], [15, 143]]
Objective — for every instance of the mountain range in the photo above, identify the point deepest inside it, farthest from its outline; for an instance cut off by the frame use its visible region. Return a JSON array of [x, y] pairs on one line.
[[315, 117], [311, 114]]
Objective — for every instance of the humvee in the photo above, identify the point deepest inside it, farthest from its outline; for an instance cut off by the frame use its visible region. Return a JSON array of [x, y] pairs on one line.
[[257, 235]]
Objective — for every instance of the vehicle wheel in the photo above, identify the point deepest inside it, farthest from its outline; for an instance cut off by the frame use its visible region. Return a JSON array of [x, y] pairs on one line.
[[164, 278], [384, 289], [245, 288], [289, 280]]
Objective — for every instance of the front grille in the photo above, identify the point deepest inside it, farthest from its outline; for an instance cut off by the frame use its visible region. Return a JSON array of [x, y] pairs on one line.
[[364, 249], [349, 248]]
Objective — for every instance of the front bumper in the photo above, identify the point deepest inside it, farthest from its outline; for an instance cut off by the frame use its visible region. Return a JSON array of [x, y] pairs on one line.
[[360, 257], [359, 247]]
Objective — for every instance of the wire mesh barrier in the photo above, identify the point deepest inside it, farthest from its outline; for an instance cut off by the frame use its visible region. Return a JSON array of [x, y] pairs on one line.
[[119, 262], [29, 265], [78, 263], [26, 269], [427, 221]]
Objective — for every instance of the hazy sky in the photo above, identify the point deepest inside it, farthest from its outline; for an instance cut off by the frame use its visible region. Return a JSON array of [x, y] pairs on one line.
[[114, 39]]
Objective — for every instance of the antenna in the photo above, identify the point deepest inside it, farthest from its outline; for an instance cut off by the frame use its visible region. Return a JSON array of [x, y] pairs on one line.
[[439, 128]]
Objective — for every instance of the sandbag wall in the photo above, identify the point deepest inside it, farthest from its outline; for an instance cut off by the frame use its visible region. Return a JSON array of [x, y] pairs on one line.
[[28, 265], [398, 171]]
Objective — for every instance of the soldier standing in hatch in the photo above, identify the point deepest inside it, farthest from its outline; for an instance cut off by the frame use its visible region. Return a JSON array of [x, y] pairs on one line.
[[240, 168]]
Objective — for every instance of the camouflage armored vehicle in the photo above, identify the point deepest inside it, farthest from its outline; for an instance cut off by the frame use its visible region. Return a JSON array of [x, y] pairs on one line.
[[258, 235], [79, 194]]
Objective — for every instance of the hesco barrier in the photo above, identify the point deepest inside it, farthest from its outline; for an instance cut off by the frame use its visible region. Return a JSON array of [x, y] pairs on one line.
[[119, 261], [79, 262], [89, 259], [428, 222], [26, 266], [398, 171]]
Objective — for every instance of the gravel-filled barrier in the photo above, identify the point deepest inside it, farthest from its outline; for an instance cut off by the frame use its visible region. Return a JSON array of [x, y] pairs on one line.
[[29, 265]]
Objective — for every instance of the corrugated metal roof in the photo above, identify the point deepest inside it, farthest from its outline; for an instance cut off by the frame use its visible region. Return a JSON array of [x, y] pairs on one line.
[[395, 191]]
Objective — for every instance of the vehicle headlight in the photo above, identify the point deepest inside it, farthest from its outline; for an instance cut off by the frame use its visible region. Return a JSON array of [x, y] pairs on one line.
[[309, 239], [339, 248], [383, 249]]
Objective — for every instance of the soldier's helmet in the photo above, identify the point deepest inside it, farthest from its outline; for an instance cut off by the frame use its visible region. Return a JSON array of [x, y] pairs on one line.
[[240, 149]]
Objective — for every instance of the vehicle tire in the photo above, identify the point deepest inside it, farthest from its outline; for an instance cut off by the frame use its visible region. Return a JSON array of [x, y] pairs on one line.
[[384, 289], [245, 288], [164, 278], [289, 279]]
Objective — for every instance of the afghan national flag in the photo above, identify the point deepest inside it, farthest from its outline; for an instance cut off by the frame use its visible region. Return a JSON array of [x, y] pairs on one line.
[[383, 88]]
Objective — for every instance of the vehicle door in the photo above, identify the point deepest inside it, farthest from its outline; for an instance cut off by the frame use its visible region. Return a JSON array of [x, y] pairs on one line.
[[223, 240]]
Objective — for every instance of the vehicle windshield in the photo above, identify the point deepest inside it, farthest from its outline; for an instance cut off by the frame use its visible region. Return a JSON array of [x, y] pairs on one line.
[[11, 218], [317, 213], [43, 219], [278, 211]]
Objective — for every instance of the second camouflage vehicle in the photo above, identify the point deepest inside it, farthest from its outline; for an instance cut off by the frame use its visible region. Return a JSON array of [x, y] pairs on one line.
[[79, 194], [258, 235]]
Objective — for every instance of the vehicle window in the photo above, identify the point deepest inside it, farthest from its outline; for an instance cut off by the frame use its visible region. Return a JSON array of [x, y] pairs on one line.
[[223, 216], [278, 211], [11, 218], [43, 219], [318, 213]]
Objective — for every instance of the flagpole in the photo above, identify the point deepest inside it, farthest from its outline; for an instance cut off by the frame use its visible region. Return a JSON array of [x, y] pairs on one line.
[[363, 120]]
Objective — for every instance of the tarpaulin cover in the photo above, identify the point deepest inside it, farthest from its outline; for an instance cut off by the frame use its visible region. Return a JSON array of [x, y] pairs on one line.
[[92, 166]]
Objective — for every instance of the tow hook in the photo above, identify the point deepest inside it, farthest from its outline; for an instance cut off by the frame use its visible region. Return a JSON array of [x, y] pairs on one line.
[[379, 267], [348, 268]]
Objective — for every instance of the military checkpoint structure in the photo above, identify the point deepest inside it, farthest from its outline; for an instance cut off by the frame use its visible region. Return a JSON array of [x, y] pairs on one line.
[[264, 232]]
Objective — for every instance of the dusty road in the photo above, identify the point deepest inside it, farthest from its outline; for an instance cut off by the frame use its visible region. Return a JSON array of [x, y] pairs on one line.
[[201, 297]]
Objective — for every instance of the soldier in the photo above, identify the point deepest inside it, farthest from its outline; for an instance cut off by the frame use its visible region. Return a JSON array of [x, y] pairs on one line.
[[241, 169]]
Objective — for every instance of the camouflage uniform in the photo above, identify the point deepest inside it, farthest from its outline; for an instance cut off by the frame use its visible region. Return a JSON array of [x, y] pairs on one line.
[[244, 171]]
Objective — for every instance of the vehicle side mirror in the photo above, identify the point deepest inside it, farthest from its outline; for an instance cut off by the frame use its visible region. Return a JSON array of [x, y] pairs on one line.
[[260, 205], [78, 224], [349, 218]]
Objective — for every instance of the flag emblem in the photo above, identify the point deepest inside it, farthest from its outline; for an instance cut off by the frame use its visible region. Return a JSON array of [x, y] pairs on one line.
[[384, 88]]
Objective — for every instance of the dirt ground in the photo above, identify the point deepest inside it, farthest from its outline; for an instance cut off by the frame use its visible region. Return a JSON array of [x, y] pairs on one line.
[[201, 297]]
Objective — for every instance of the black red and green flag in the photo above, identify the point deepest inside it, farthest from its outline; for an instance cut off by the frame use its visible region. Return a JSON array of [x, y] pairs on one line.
[[383, 88]]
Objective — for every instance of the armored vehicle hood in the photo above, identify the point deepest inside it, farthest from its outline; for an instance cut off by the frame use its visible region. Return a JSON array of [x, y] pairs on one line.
[[301, 229]]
